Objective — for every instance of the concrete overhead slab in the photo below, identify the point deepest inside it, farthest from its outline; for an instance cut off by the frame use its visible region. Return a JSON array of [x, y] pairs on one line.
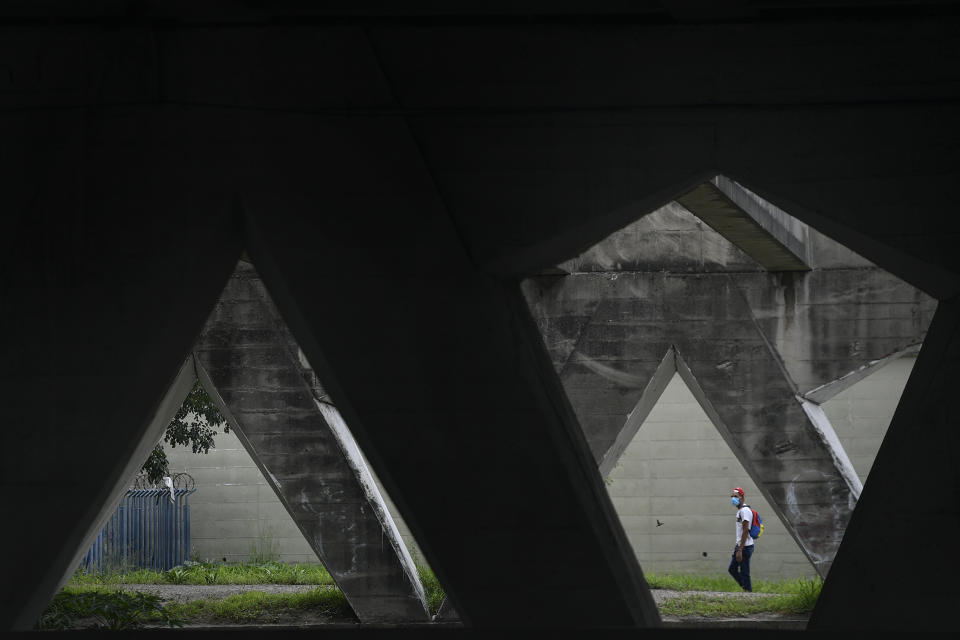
[[249, 362]]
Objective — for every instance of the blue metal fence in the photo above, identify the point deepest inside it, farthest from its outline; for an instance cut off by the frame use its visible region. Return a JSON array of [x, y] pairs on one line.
[[147, 531]]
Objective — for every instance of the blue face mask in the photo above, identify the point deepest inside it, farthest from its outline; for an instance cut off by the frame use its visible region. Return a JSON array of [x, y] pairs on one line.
[[735, 500]]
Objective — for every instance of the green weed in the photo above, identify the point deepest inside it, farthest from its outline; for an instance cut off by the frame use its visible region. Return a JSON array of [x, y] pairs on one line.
[[719, 582], [113, 610], [211, 573], [266, 549], [255, 606], [137, 576], [806, 594], [786, 597], [431, 586]]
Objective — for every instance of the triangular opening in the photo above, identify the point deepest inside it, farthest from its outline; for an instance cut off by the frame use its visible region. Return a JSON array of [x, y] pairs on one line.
[[239, 518], [763, 349], [288, 482], [862, 412], [249, 360], [670, 488]]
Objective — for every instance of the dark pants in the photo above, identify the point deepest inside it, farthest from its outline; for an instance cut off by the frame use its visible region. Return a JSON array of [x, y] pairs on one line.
[[741, 570]]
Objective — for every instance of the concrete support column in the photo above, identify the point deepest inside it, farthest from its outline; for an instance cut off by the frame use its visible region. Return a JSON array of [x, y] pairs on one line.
[[439, 371], [248, 360], [896, 566]]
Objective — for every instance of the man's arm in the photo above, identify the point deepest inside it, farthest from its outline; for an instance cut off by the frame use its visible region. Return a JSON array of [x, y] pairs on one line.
[[743, 538]]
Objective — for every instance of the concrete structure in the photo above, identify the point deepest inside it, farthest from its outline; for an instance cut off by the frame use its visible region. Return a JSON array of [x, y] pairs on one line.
[[749, 344], [252, 367], [665, 474], [394, 173]]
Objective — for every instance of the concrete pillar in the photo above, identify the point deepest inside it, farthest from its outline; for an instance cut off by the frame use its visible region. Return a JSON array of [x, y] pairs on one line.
[[96, 318], [250, 363], [439, 371], [896, 566]]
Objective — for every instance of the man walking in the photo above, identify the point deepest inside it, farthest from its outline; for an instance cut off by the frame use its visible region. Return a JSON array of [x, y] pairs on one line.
[[740, 562]]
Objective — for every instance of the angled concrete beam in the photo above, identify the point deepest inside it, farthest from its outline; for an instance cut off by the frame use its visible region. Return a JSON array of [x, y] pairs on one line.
[[250, 364], [831, 442], [769, 235]]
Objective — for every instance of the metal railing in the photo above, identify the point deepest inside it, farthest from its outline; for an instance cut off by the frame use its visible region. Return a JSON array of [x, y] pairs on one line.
[[149, 530]]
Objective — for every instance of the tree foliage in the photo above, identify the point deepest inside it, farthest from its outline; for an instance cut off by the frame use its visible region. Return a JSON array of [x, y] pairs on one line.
[[195, 424]]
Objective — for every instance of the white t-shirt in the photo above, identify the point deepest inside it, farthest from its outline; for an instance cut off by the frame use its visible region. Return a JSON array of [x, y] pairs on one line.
[[744, 514]]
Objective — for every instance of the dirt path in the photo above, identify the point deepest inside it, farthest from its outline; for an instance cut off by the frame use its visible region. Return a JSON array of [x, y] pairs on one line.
[[180, 593]]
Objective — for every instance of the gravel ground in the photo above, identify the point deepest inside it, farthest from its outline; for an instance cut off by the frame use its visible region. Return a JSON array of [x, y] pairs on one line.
[[185, 592], [659, 595]]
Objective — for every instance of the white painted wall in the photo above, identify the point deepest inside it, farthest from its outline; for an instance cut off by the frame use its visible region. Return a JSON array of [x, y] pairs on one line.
[[234, 513]]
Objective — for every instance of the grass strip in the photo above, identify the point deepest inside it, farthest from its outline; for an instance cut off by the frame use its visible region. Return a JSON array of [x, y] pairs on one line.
[[431, 587], [791, 596], [256, 606], [723, 582], [199, 573], [797, 598], [211, 573]]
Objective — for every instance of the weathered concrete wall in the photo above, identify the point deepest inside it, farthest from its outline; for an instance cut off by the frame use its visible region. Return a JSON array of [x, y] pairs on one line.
[[248, 360], [747, 342]]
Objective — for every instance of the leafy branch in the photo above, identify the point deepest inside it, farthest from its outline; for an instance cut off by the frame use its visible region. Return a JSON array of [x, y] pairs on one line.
[[195, 424]]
